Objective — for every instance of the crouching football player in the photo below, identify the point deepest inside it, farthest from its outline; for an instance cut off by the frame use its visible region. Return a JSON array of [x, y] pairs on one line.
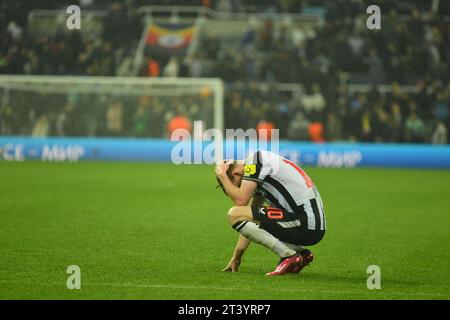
[[293, 219]]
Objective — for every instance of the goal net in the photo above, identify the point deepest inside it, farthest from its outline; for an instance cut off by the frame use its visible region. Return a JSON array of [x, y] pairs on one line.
[[43, 106]]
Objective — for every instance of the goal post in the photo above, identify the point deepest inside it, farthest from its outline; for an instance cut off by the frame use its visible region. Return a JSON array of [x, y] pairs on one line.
[[106, 106]]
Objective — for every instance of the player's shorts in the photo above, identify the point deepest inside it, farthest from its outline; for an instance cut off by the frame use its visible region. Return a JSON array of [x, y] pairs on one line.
[[293, 227]]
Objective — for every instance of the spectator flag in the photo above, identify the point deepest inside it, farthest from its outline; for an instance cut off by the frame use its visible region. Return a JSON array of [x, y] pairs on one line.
[[171, 39]]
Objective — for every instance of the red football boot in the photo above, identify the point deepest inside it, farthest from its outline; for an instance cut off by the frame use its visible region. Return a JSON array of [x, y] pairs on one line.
[[287, 265], [307, 259]]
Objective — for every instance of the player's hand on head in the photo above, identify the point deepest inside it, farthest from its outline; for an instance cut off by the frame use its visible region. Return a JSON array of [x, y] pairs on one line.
[[222, 167]]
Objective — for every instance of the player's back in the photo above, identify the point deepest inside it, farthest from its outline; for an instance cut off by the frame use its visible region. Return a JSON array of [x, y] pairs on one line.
[[284, 183]]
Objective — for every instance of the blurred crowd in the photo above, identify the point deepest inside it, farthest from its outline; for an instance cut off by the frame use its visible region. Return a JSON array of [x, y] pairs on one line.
[[67, 52], [113, 115], [411, 49]]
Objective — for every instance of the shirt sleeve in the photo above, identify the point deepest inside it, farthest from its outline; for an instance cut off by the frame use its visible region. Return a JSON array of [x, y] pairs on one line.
[[255, 169]]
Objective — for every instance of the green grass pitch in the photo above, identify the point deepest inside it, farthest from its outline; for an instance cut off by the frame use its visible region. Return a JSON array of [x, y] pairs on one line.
[[159, 231]]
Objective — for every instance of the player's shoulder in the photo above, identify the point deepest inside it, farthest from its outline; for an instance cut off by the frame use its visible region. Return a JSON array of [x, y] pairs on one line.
[[258, 157]]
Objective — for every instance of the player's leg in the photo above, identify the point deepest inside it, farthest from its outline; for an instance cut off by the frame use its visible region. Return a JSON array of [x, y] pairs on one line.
[[295, 247], [306, 254], [242, 220], [306, 235], [285, 226]]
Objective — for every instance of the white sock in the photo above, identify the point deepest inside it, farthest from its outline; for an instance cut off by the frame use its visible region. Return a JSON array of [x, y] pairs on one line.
[[253, 232], [295, 247]]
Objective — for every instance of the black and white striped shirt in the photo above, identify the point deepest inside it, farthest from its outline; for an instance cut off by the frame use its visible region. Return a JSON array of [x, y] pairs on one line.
[[285, 185]]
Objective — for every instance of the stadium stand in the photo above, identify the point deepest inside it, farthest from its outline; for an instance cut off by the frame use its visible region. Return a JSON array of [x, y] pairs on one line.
[[334, 78]]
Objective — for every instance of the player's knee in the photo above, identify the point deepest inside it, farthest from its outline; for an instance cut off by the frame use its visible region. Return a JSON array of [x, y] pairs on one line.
[[234, 215]]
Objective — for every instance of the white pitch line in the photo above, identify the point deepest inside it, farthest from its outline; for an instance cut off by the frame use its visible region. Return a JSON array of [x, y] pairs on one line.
[[184, 287]]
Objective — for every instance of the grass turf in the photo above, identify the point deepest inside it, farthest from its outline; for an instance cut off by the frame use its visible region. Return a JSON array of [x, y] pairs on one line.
[[159, 231]]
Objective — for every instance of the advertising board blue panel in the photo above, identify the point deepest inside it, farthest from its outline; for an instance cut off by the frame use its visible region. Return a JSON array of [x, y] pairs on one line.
[[159, 150]]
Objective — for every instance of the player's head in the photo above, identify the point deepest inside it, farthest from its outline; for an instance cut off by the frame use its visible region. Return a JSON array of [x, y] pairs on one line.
[[235, 172]]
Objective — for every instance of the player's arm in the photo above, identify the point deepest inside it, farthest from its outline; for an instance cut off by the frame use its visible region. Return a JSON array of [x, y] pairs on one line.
[[258, 201], [243, 242], [240, 195], [239, 251]]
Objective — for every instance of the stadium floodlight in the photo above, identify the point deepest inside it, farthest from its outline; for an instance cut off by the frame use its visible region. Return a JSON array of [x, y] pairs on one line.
[[103, 106]]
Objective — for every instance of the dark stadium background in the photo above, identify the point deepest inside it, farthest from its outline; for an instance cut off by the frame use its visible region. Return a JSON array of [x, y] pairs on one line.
[[411, 49]]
